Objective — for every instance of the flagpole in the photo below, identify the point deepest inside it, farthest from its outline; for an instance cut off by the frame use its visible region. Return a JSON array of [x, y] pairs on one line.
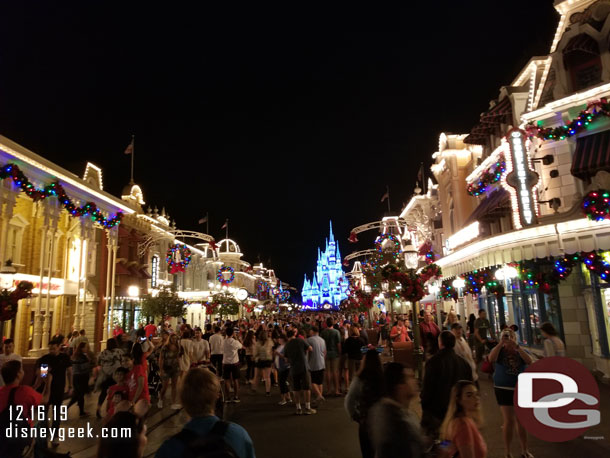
[[207, 223], [423, 178], [133, 153], [388, 192], [227, 223]]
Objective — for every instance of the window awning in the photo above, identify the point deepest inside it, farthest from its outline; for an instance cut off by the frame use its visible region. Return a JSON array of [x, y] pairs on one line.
[[121, 269], [592, 155], [145, 274], [486, 209], [501, 109], [583, 43]]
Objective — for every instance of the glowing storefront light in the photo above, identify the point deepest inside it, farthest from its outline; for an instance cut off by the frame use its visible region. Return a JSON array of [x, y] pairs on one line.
[[462, 236], [154, 272], [520, 180]]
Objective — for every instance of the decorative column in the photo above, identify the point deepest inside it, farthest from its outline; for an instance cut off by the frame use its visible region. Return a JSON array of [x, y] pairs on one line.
[[107, 293], [88, 236], [8, 198], [36, 339], [80, 278], [114, 242], [54, 212]]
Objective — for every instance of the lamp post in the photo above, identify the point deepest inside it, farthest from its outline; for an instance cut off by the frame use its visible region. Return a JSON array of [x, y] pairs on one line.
[[411, 261], [459, 284]]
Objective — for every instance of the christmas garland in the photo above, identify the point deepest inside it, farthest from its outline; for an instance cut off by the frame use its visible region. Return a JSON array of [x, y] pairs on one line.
[[411, 285], [358, 301], [595, 110], [224, 304], [261, 289], [495, 287], [55, 189], [185, 254], [448, 291], [220, 277], [596, 205], [9, 300], [489, 176], [431, 271]]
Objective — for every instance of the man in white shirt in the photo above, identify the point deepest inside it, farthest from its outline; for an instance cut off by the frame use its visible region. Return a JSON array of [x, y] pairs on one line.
[[317, 362], [216, 341], [8, 354], [463, 349], [230, 364], [201, 348]]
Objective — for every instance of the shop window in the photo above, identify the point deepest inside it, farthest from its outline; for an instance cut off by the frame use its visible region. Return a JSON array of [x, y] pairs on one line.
[[598, 312], [582, 62], [154, 271], [126, 315]]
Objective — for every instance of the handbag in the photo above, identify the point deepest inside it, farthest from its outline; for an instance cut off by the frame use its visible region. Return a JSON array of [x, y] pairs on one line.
[[487, 366]]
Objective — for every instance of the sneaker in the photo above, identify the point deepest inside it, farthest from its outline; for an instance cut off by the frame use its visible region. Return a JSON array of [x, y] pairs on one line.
[[321, 398], [236, 399], [160, 403], [309, 411], [299, 412], [290, 400], [282, 403], [176, 406]]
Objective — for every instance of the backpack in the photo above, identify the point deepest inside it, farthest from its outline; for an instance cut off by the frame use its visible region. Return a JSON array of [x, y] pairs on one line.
[[212, 445], [13, 447]]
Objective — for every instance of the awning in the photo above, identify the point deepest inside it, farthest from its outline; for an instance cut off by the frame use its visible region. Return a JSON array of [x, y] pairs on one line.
[[583, 43], [592, 155], [121, 269], [487, 208], [501, 109], [145, 274]]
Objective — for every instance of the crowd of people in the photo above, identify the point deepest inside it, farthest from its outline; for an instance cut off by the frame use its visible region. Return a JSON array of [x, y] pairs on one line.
[[307, 356]]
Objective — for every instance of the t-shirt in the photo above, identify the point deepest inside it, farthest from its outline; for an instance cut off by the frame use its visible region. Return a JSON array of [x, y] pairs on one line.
[[235, 436], [58, 365], [216, 344], [229, 351], [316, 357], [200, 347], [295, 352], [508, 367], [24, 396], [4, 358], [111, 391], [482, 324], [353, 347], [332, 338], [150, 330], [131, 380], [465, 433], [185, 359]]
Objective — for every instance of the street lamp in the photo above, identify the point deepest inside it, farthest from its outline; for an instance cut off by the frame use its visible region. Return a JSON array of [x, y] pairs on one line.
[[411, 261], [459, 284], [7, 274], [506, 274], [411, 255]]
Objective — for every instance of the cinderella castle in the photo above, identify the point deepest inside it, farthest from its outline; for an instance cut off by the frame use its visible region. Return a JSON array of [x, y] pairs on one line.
[[329, 285]]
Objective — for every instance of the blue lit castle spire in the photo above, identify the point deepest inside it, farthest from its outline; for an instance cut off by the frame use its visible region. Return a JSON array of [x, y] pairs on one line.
[[329, 285]]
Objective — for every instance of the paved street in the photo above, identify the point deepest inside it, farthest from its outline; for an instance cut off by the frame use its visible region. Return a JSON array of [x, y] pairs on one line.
[[276, 431]]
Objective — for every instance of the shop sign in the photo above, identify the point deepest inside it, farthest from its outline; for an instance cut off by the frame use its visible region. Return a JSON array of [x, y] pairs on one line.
[[521, 180], [57, 284]]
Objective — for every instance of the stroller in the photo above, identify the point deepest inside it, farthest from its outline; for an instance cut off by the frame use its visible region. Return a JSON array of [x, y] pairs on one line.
[[154, 379]]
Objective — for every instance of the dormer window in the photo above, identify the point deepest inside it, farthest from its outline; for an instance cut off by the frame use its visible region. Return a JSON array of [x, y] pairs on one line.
[[582, 62]]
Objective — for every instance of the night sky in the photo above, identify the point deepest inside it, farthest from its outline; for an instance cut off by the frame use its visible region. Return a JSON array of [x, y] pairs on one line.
[[279, 117]]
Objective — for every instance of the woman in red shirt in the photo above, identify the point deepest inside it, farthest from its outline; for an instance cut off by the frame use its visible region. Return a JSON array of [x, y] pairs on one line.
[[462, 422], [400, 333]]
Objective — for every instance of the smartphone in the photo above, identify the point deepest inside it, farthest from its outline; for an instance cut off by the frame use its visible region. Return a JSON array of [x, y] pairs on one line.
[[44, 370], [142, 339]]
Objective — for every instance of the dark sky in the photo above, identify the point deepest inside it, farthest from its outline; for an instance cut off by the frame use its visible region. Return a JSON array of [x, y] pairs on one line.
[[279, 117]]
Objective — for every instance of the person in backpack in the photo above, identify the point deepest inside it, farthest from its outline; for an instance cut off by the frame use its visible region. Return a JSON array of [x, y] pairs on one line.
[[12, 395], [205, 435]]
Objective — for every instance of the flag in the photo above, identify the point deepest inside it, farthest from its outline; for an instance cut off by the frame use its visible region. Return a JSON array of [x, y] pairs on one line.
[[129, 149], [203, 220], [225, 224], [385, 196], [420, 174]]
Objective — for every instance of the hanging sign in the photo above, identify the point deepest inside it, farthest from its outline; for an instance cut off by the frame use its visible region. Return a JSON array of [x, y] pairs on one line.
[[521, 180]]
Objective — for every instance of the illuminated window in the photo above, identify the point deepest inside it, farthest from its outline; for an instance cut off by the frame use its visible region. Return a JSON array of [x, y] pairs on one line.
[[154, 272], [582, 61]]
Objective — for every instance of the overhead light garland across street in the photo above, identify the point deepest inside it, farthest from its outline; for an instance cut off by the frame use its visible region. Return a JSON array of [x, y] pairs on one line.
[[55, 189]]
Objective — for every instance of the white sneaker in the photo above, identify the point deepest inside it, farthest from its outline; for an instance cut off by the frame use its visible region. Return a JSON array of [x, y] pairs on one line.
[[160, 404], [176, 406], [282, 403]]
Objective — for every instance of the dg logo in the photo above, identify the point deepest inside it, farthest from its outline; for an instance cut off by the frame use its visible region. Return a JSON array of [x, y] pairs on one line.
[[557, 399]]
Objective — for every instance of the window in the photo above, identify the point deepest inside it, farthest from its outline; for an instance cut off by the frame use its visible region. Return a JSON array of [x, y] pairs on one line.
[[582, 62], [14, 238], [154, 281]]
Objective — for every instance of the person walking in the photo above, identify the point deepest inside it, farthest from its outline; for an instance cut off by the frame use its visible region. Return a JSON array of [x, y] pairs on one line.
[[81, 367], [462, 422], [263, 359], [295, 351], [8, 354], [316, 361], [463, 349], [400, 333], [201, 349], [482, 329], [332, 338], [553, 345], [353, 349], [429, 333], [393, 426], [442, 371], [249, 348], [169, 370], [230, 365], [283, 370], [364, 391], [510, 360], [216, 341], [108, 360]]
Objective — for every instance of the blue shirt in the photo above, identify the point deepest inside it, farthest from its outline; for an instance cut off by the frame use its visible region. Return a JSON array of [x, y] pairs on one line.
[[508, 368], [236, 437]]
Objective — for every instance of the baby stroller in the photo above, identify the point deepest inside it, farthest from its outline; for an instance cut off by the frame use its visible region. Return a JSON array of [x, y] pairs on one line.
[[154, 379]]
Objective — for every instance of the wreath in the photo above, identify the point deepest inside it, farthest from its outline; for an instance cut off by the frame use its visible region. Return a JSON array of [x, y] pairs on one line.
[[178, 256], [431, 271], [221, 278], [382, 238], [412, 285], [358, 301], [224, 304], [9, 300], [596, 205]]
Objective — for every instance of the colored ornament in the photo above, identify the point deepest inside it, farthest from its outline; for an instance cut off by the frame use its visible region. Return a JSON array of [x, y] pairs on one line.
[[178, 257], [596, 205]]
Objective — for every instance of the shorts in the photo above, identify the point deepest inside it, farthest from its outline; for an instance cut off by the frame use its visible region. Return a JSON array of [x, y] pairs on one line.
[[230, 370], [301, 382], [504, 397], [332, 364], [317, 377], [263, 364], [170, 372]]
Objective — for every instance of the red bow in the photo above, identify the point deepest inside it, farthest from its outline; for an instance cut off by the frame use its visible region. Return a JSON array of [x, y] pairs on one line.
[[176, 268], [352, 237], [212, 244]]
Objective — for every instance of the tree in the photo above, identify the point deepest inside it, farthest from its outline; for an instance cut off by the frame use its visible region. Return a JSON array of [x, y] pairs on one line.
[[166, 303]]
